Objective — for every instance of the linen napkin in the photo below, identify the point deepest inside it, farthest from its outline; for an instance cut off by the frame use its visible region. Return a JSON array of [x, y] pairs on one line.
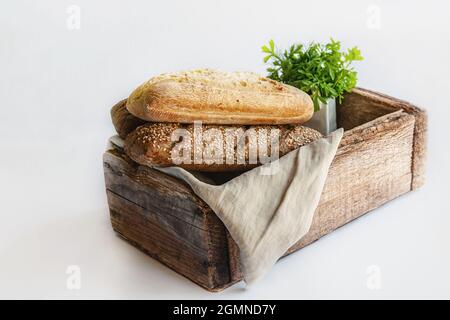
[[267, 213]]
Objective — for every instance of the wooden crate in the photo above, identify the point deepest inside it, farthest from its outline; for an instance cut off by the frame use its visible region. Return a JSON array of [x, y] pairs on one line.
[[381, 156]]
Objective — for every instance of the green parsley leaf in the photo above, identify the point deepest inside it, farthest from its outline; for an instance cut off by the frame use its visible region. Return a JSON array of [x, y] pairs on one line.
[[321, 70]]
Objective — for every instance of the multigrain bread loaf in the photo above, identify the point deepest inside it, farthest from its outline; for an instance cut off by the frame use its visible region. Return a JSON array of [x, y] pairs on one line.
[[123, 121], [153, 143], [216, 97]]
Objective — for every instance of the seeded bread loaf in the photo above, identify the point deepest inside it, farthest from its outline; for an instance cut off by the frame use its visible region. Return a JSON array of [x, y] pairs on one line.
[[216, 97], [152, 145]]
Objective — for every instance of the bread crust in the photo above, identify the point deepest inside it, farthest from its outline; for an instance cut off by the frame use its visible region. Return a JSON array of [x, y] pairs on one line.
[[151, 144], [123, 121], [216, 97]]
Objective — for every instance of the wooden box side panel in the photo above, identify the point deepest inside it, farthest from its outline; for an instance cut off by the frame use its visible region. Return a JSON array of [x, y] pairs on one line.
[[384, 102], [382, 156], [371, 167], [163, 218], [358, 109]]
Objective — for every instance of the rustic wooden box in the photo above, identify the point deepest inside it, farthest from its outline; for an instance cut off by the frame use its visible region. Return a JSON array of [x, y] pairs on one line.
[[381, 156]]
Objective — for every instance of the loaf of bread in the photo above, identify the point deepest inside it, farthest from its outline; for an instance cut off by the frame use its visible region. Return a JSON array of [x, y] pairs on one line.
[[216, 97], [123, 121], [219, 148]]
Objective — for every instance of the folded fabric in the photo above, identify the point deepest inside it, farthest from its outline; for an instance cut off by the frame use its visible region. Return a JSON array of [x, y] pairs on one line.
[[268, 209]]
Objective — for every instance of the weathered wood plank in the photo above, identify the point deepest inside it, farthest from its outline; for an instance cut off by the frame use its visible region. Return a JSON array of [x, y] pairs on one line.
[[191, 236], [218, 256], [175, 228], [420, 129], [152, 189], [132, 223], [372, 166], [358, 109]]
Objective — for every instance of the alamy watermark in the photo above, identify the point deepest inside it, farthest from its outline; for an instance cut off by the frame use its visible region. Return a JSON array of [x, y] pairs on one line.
[[230, 146], [373, 281], [73, 281], [73, 20], [373, 21]]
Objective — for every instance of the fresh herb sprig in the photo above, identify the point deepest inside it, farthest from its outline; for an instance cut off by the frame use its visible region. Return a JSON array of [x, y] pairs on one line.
[[322, 71]]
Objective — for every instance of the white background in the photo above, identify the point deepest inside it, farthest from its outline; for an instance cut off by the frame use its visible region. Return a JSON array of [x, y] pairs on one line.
[[57, 85]]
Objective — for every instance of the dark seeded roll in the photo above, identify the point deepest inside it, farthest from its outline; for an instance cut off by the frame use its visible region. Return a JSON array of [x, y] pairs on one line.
[[154, 144]]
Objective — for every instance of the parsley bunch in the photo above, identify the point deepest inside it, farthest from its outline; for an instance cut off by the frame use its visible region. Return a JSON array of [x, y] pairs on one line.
[[322, 71]]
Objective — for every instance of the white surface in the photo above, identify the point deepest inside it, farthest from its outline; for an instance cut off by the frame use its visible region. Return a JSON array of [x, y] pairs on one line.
[[57, 86]]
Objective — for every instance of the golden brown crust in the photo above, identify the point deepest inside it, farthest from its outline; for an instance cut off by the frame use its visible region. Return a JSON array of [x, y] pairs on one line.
[[151, 144], [216, 97], [123, 121]]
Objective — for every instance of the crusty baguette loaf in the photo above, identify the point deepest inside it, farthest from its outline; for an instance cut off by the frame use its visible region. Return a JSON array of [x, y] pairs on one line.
[[216, 97], [151, 145], [123, 121]]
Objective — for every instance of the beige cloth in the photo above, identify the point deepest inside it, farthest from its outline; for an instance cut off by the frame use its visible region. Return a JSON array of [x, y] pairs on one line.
[[267, 213]]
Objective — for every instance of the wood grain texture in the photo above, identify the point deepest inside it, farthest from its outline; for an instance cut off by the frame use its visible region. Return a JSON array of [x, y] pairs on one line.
[[420, 129], [381, 156], [364, 174], [165, 219]]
